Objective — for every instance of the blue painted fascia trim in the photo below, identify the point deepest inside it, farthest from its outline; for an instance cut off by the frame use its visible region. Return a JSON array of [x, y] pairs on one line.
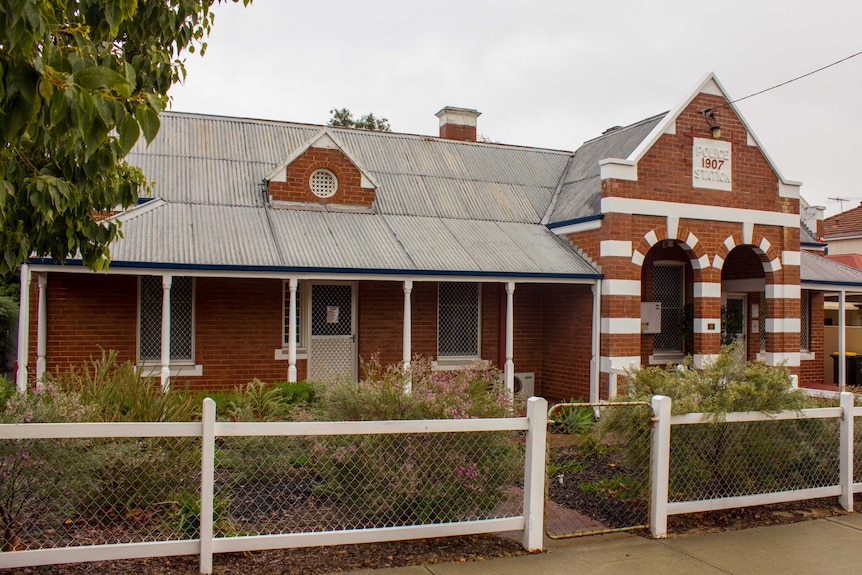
[[297, 269], [832, 283], [575, 221], [813, 245]]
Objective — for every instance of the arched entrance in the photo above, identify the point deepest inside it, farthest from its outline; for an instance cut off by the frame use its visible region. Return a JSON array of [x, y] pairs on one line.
[[743, 300], [667, 280]]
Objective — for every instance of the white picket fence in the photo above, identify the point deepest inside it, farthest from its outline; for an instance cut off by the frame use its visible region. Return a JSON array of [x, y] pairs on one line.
[[844, 487], [529, 521]]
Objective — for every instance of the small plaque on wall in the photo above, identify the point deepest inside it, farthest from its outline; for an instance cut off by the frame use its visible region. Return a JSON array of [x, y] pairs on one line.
[[710, 164]]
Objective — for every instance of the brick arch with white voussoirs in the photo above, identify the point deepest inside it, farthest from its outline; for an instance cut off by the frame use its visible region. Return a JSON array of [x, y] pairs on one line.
[[658, 248], [747, 268]]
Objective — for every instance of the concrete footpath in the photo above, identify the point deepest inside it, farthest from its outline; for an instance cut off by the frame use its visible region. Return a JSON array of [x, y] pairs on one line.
[[829, 546]]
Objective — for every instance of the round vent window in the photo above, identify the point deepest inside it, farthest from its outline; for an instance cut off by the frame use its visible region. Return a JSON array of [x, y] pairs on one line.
[[323, 183]]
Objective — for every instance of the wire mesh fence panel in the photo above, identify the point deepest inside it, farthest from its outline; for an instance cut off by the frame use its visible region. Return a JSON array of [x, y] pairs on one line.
[[857, 450], [72, 492], [598, 468], [718, 459], [275, 485]]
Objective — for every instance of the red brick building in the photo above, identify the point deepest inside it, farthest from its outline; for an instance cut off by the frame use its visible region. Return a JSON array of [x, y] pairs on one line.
[[289, 251]]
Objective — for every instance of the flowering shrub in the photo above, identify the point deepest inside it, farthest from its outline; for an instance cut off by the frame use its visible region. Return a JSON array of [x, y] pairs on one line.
[[417, 478], [26, 463], [474, 391]]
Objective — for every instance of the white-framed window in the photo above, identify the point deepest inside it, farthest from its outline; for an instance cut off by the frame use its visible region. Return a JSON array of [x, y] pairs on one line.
[[458, 320], [805, 321], [300, 336], [150, 319], [669, 289]]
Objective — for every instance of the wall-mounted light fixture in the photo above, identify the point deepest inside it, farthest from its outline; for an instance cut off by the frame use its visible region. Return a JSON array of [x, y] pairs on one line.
[[709, 114]]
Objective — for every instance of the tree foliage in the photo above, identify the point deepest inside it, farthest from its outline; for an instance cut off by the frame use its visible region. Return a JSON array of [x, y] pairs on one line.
[[80, 80], [343, 118]]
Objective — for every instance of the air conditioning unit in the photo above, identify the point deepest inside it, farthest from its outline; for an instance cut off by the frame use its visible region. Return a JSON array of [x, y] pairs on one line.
[[525, 382]]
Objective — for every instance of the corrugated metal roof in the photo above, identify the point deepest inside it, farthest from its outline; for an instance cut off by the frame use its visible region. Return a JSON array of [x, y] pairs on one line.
[[581, 191], [213, 236], [817, 269], [212, 160]]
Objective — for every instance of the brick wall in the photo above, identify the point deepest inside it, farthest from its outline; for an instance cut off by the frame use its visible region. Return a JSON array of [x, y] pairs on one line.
[[87, 313], [566, 341], [297, 188]]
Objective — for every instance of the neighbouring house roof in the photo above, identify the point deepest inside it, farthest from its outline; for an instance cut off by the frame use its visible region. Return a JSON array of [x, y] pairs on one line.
[[852, 260], [824, 273], [581, 189], [442, 206], [845, 224]]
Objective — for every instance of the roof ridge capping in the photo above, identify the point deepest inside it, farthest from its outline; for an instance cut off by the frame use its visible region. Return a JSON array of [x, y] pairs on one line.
[[626, 168]]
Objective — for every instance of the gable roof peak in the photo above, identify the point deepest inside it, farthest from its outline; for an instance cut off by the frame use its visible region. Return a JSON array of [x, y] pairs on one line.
[[324, 138]]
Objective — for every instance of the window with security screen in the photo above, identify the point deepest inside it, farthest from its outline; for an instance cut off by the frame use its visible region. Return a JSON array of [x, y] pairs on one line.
[[458, 319], [670, 291], [286, 322], [804, 322], [761, 322], [182, 318]]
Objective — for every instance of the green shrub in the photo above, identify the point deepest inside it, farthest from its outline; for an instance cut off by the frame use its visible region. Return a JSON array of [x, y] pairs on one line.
[[296, 393], [718, 459], [7, 390]]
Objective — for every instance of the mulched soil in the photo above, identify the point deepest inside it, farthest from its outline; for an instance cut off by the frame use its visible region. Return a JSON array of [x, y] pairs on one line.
[[309, 561]]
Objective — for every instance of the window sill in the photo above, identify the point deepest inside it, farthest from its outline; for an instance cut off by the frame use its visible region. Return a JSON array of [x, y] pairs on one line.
[[446, 364], [807, 355], [284, 355], [177, 369], [664, 359]]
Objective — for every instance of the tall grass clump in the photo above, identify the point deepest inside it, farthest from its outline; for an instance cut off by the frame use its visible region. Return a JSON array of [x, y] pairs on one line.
[[120, 392]]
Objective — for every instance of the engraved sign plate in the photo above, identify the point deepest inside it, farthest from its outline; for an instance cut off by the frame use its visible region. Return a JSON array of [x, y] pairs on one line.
[[710, 164]]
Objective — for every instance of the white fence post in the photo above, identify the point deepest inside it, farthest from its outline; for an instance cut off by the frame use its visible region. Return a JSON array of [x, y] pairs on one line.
[[207, 485], [660, 466], [846, 449], [534, 474]]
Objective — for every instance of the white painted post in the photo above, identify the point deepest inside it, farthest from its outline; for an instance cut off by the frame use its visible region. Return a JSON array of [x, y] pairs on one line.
[[167, 280], [794, 381], [42, 329], [407, 334], [842, 341], [23, 329], [293, 285], [509, 369], [535, 467], [595, 371], [846, 449], [660, 466], [207, 485]]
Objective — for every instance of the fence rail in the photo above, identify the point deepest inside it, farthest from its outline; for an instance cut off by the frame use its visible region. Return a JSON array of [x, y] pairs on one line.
[[260, 486]]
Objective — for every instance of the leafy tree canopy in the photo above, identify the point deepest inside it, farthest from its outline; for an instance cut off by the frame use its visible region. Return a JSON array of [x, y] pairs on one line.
[[80, 80], [343, 118]]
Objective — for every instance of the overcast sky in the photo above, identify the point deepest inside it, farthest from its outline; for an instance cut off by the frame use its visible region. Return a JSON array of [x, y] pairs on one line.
[[548, 73]]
